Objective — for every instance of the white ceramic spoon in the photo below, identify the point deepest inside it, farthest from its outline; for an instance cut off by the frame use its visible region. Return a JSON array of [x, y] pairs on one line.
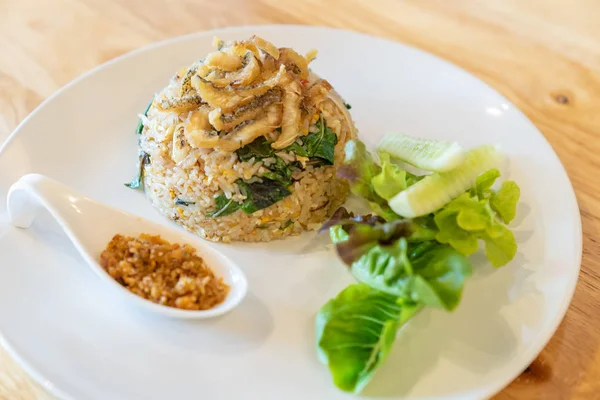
[[91, 225]]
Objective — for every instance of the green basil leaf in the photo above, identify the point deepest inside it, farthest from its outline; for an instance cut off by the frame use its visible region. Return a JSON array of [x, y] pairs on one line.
[[224, 206], [321, 144], [184, 203], [318, 146], [260, 148], [138, 181], [279, 172], [260, 195], [297, 149], [140, 125]]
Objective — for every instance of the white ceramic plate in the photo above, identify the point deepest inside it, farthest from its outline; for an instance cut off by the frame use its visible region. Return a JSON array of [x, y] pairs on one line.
[[80, 342]]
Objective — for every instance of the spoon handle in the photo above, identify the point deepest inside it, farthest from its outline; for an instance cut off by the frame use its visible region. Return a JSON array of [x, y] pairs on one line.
[[87, 225], [34, 192]]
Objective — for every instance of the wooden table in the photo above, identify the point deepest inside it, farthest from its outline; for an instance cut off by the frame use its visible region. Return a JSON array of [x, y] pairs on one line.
[[543, 55]]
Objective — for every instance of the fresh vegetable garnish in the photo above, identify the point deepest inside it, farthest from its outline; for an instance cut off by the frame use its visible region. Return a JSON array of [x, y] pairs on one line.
[[138, 181], [359, 169], [344, 218], [391, 180], [413, 251], [481, 214], [427, 154], [356, 331], [364, 237], [382, 255], [429, 273], [435, 190], [505, 200]]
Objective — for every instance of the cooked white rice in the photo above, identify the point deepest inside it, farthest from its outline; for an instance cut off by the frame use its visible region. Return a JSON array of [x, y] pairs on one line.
[[203, 174]]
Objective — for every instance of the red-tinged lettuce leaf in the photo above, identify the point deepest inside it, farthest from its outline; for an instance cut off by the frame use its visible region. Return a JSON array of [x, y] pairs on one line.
[[359, 169], [345, 218], [362, 237]]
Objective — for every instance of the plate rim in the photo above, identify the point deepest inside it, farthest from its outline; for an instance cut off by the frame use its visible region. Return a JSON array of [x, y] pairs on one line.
[[499, 384]]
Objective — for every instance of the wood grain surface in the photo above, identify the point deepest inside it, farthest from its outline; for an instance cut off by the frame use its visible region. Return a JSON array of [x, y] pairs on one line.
[[543, 55]]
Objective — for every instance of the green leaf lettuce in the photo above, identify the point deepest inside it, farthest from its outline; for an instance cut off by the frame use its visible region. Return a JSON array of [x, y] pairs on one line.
[[356, 331]]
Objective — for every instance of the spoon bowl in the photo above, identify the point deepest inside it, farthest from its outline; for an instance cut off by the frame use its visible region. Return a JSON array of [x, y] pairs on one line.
[[90, 225]]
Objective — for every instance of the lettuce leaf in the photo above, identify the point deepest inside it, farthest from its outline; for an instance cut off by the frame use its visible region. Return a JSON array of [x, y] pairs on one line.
[[359, 169], [381, 256], [362, 237], [343, 217], [337, 234], [480, 214], [391, 180], [424, 229], [355, 332], [500, 245], [439, 274], [505, 200], [427, 273], [484, 182], [403, 265]]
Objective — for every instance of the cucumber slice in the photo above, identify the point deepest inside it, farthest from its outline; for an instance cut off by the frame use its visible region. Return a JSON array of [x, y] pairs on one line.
[[427, 154], [438, 189]]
